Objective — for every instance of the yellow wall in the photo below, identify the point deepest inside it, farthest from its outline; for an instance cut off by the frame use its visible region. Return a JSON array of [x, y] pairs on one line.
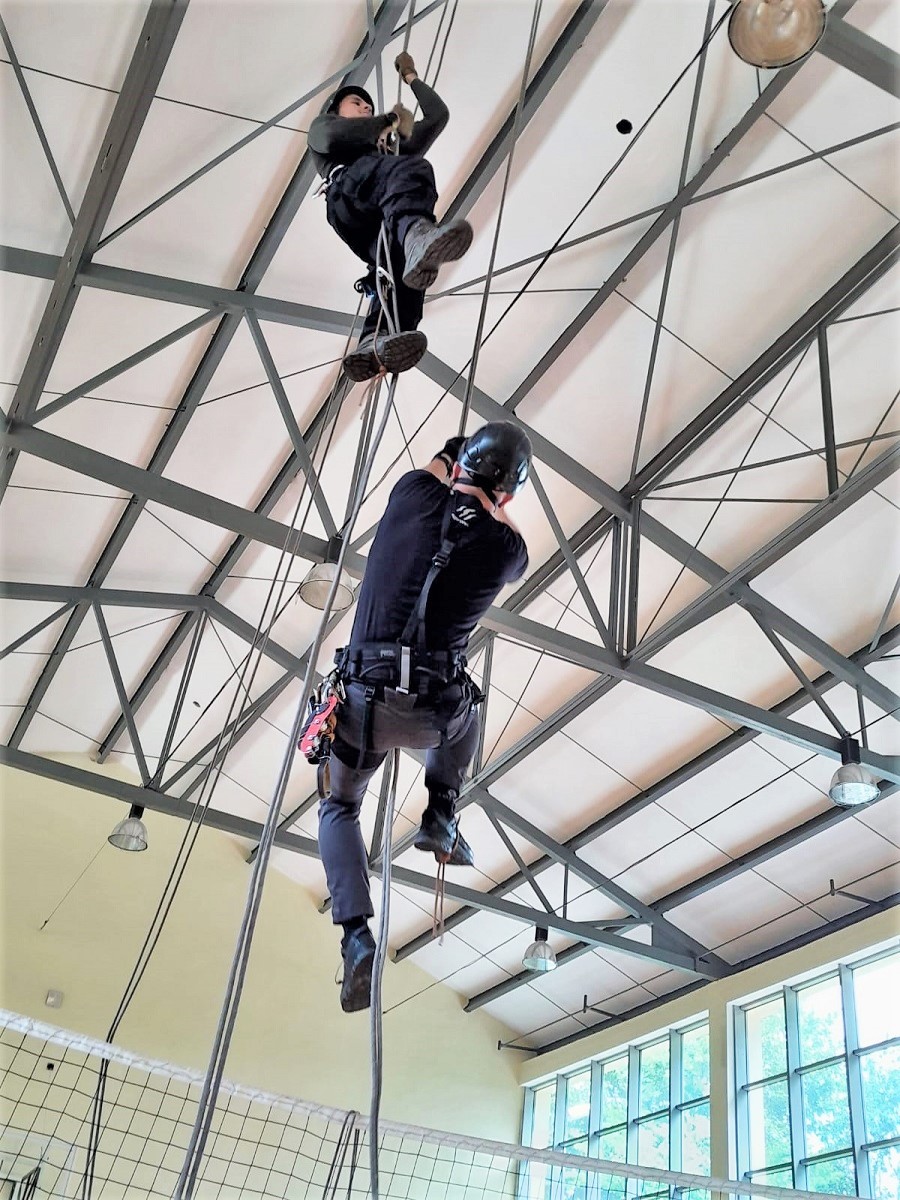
[[442, 1066], [715, 999]]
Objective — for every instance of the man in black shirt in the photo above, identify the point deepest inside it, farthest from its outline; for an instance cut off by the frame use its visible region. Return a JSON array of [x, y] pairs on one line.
[[368, 185], [444, 549]]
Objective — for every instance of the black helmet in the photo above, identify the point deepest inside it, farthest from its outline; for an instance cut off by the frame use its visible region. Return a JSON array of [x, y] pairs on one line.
[[497, 457], [351, 89]]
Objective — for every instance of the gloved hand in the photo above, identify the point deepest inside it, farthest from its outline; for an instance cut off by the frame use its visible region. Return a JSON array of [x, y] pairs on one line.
[[405, 65], [405, 123], [388, 136], [448, 454]]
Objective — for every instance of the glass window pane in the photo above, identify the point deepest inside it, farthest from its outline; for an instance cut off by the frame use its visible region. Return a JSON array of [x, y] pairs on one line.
[[578, 1105], [877, 987], [821, 1018], [770, 1137], [542, 1124], [837, 1175], [612, 1146], [654, 1078], [653, 1143], [695, 1140], [782, 1178], [884, 1171], [881, 1092], [766, 1048], [614, 1092], [826, 1109], [695, 1064]]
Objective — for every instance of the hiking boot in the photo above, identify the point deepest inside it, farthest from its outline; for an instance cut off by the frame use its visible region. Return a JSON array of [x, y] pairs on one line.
[[358, 953], [391, 352], [439, 835], [427, 245]]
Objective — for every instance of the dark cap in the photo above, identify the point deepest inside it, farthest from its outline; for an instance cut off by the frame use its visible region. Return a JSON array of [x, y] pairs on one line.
[[351, 89]]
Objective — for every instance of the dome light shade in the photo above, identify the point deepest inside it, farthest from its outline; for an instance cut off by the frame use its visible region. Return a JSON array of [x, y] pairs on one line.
[[131, 833], [316, 588], [540, 955], [853, 784], [775, 33]]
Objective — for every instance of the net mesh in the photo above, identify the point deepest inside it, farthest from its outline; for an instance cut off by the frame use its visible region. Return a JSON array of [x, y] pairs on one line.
[[262, 1145]]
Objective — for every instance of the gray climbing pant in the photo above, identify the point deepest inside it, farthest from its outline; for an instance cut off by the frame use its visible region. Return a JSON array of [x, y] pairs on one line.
[[448, 735]]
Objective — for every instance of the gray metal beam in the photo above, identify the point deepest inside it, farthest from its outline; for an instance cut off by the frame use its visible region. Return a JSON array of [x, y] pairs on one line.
[[586, 931], [154, 44], [36, 121], [153, 801], [663, 931], [729, 708], [870, 59], [279, 485], [852, 284], [547, 75], [148, 485], [661, 788], [678, 202], [795, 943], [618, 504], [388, 16], [55, 593]]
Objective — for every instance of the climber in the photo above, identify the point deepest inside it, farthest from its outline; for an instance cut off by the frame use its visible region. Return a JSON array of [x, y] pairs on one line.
[[444, 549], [375, 174]]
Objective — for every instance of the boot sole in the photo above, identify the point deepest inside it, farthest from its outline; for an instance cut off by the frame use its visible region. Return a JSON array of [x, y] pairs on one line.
[[447, 247], [400, 352], [358, 996], [441, 853]]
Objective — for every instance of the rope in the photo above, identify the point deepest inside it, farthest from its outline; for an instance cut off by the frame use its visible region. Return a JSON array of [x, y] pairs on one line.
[[517, 121], [340, 1153], [196, 819], [437, 913], [188, 1176], [409, 25], [392, 770]]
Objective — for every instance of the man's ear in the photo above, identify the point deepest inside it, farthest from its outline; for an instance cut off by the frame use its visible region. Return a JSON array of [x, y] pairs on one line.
[[456, 472], [504, 499]]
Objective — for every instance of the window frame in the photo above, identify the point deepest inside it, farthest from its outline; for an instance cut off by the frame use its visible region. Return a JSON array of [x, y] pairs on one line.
[[852, 1055], [634, 1119]]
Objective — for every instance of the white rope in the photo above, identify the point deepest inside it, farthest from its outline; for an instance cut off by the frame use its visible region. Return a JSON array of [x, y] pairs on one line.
[[392, 770]]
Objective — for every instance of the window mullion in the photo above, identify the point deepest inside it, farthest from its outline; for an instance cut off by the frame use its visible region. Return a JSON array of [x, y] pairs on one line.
[[631, 1137], [675, 1054], [741, 1095], [795, 1086], [854, 1083]]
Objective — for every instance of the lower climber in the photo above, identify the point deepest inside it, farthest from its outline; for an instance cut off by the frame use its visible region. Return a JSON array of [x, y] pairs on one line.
[[375, 174], [444, 549]]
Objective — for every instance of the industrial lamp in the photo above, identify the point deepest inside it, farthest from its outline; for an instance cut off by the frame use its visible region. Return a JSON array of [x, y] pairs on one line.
[[852, 784], [316, 587], [130, 833], [540, 955], [775, 33]]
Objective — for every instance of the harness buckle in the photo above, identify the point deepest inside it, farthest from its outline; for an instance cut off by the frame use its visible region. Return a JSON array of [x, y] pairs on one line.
[[405, 669]]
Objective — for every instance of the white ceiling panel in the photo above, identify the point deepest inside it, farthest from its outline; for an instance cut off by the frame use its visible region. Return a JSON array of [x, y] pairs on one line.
[[793, 924], [719, 916], [847, 848]]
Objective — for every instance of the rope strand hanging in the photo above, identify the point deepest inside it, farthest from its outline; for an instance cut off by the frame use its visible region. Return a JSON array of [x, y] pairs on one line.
[[517, 122]]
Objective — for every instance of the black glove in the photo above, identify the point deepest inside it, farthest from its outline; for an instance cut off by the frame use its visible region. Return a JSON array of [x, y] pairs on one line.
[[449, 452]]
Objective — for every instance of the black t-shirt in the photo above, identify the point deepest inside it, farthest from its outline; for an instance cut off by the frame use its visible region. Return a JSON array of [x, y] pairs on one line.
[[409, 534]]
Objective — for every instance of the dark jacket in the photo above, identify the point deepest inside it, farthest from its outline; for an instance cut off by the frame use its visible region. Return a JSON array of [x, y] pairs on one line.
[[335, 140]]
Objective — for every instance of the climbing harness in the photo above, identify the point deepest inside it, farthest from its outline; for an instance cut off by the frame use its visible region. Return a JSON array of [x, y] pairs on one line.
[[317, 735]]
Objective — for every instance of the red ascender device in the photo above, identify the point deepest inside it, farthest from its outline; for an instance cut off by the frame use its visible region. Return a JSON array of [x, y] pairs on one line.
[[318, 731]]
